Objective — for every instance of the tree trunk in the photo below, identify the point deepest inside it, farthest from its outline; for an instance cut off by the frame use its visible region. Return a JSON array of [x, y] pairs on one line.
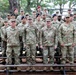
[[60, 8], [13, 4], [28, 6]]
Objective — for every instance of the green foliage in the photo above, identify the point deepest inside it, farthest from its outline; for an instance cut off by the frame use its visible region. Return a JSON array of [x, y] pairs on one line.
[[72, 3], [28, 4], [4, 4]]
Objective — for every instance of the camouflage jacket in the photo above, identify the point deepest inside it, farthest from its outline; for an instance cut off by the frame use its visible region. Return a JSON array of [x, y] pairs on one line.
[[30, 34], [48, 36], [13, 36], [67, 34]]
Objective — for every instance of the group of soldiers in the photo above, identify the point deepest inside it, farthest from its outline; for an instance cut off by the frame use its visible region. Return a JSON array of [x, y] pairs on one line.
[[39, 30]]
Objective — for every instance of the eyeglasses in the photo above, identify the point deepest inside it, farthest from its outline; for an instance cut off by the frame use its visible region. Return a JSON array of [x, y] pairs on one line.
[[13, 21], [67, 17], [29, 19]]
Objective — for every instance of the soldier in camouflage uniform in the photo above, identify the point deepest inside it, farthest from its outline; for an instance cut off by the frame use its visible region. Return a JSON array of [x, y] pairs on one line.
[[3, 37], [74, 15], [21, 27], [73, 22], [49, 42], [13, 43], [55, 22], [30, 40], [67, 40], [22, 13], [39, 25], [44, 17], [34, 15], [1, 24]]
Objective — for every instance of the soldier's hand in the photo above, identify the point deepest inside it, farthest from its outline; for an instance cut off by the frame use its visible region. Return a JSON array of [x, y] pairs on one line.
[[41, 47], [36, 45], [62, 45], [55, 47], [73, 44], [24, 45]]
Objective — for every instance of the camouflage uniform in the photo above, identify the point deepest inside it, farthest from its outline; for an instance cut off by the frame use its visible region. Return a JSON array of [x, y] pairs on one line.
[[21, 27], [49, 41], [20, 16], [4, 41], [66, 37], [74, 23], [30, 40], [1, 24], [13, 43], [55, 24], [39, 25]]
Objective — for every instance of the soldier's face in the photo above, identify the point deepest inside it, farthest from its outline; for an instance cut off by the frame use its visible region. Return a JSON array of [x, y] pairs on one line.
[[24, 20], [67, 19], [55, 18], [22, 12], [9, 16], [69, 11], [39, 9], [74, 15], [48, 23], [12, 17], [44, 16], [5, 23], [13, 23], [30, 21], [34, 13], [39, 17], [71, 18]]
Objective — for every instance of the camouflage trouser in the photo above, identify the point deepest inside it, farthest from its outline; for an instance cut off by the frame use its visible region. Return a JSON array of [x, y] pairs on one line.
[[31, 53], [48, 51], [75, 51], [67, 52], [16, 54], [3, 47]]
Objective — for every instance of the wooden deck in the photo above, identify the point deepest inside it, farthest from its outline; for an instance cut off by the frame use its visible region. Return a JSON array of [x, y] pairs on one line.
[[39, 69]]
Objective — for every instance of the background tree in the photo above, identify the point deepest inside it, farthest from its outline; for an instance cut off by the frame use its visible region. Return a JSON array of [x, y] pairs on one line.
[[72, 3], [13, 4]]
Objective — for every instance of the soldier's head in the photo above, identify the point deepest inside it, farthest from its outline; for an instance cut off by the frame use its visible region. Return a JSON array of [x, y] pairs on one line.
[[69, 11], [71, 17], [22, 12], [43, 15], [23, 19], [27, 15], [38, 16], [74, 14], [48, 22], [13, 16], [59, 17], [54, 17], [13, 23], [39, 8], [30, 20], [8, 16], [5, 22], [67, 18], [34, 12]]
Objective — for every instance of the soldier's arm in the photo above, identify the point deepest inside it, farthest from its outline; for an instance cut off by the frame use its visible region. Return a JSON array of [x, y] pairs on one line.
[[3, 35], [42, 37], [60, 35], [41, 33], [36, 34], [74, 36], [24, 37], [56, 38]]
